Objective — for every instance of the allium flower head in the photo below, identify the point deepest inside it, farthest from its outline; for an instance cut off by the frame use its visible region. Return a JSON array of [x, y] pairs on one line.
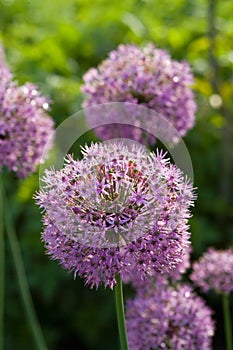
[[117, 210], [25, 126], [171, 318], [146, 76], [214, 270]]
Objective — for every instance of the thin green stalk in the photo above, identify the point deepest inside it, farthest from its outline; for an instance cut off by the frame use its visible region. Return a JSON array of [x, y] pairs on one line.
[[22, 280], [227, 321], [120, 313], [2, 266]]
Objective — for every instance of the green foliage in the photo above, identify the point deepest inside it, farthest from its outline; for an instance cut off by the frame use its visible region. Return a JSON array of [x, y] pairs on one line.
[[52, 43]]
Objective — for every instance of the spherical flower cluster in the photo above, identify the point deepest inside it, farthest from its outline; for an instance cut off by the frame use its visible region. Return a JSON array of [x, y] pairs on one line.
[[214, 270], [171, 318], [118, 210], [25, 126], [146, 76]]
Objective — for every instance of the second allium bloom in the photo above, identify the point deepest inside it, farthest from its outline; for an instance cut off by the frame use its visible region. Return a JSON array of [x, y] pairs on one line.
[[170, 318], [146, 76], [117, 208]]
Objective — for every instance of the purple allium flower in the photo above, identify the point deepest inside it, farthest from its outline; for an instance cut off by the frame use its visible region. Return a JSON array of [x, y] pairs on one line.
[[171, 318], [146, 76], [25, 126], [118, 210], [214, 270]]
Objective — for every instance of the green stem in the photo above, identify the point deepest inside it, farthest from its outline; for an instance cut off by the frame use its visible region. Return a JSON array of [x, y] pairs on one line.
[[22, 280], [2, 266], [227, 321], [120, 313]]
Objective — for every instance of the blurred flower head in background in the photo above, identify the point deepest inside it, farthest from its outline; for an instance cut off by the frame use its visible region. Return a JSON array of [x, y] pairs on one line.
[[214, 270], [146, 76], [170, 318], [120, 209], [25, 126]]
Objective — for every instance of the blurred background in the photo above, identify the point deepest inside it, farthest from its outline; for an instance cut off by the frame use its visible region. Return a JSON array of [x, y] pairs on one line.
[[52, 43]]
